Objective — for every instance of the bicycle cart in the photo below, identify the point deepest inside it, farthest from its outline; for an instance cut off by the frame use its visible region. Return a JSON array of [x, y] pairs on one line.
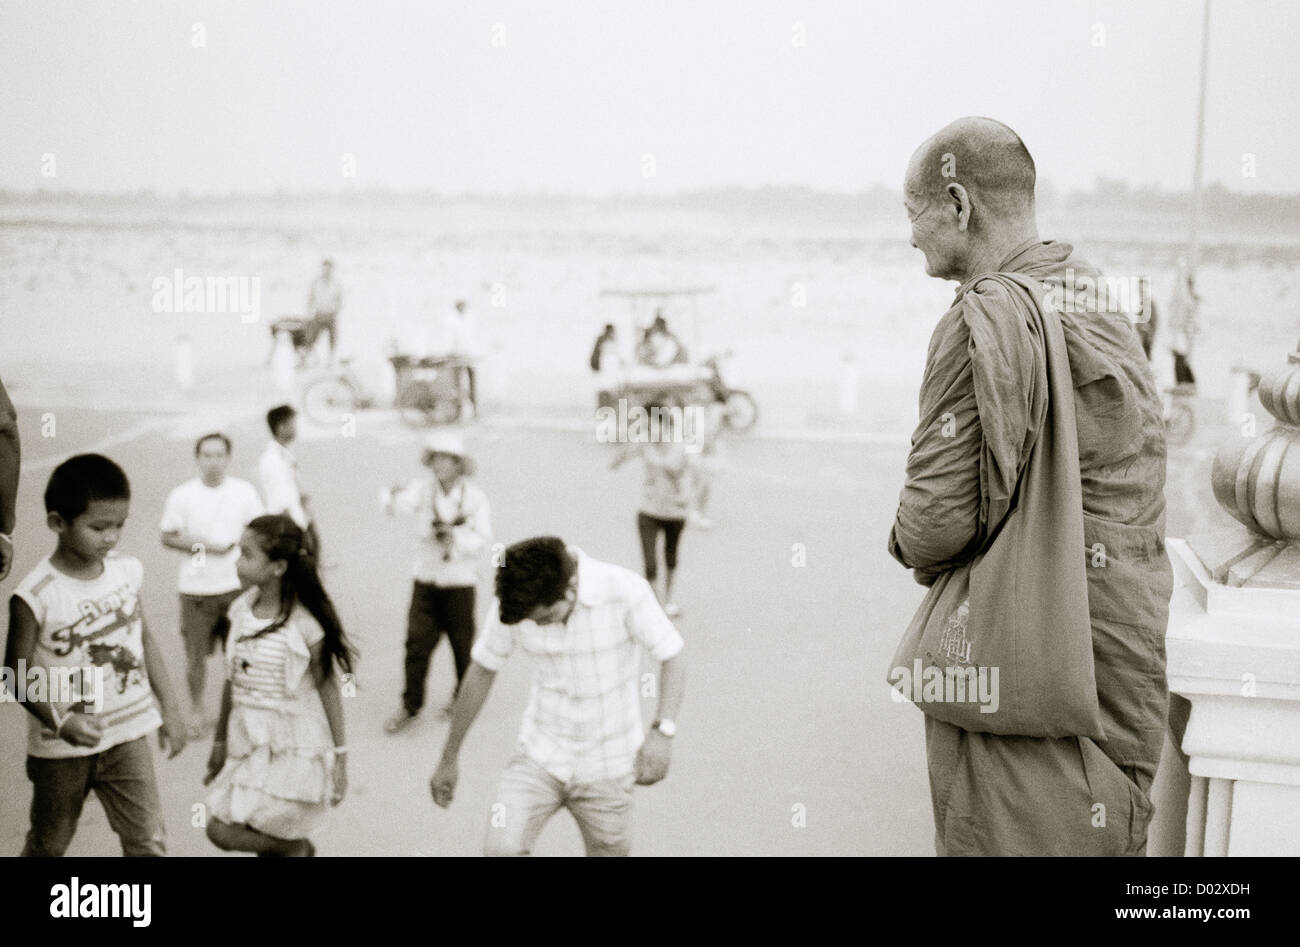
[[698, 383], [428, 392], [428, 389], [301, 334]]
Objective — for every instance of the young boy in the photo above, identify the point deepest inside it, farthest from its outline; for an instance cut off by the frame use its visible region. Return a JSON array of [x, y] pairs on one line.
[[79, 608], [278, 471], [455, 530], [581, 746]]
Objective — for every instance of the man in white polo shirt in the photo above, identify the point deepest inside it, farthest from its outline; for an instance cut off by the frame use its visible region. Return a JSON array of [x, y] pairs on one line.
[[204, 519], [582, 746]]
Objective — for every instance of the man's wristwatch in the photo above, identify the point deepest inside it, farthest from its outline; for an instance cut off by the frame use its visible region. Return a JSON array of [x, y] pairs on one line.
[[666, 727]]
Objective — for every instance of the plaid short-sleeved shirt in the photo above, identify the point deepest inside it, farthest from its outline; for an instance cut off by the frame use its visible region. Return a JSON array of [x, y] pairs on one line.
[[583, 721]]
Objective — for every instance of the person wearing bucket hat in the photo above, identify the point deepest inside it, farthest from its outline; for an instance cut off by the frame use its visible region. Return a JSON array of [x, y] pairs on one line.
[[455, 529]]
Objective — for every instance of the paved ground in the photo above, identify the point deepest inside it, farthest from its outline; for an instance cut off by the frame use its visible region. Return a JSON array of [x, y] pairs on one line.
[[789, 743]]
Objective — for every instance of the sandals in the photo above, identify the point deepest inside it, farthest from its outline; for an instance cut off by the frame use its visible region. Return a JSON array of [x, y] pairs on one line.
[[398, 721]]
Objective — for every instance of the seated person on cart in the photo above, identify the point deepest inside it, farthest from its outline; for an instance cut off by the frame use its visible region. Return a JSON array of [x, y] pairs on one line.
[[659, 348]]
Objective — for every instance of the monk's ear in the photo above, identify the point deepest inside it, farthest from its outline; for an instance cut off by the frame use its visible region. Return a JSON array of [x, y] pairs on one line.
[[961, 203]]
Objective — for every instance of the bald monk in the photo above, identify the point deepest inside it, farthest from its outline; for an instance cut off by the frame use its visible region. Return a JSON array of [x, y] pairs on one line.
[[969, 192]]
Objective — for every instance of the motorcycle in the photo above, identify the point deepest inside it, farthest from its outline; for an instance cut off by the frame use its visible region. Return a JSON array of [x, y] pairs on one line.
[[740, 410]]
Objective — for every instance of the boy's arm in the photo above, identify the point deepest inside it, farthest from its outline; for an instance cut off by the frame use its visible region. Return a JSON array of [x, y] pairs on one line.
[[76, 728], [21, 644], [173, 735]]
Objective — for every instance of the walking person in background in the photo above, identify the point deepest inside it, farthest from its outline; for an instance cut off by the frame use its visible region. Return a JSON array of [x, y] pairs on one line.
[[704, 458], [1183, 324], [278, 471], [324, 300], [666, 496], [1147, 319], [607, 364], [204, 518], [605, 356], [455, 530], [279, 761], [581, 747], [462, 344], [10, 467], [80, 608]]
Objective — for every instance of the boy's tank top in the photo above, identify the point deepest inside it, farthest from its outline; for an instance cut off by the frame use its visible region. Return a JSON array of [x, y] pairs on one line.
[[92, 624]]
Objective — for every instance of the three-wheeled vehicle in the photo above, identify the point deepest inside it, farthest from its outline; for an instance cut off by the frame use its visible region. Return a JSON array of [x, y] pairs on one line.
[[659, 337]]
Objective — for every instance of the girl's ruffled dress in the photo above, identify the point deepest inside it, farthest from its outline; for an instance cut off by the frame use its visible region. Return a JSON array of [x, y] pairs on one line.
[[279, 752]]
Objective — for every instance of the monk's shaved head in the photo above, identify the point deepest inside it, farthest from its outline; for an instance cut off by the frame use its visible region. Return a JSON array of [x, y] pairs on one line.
[[984, 156]]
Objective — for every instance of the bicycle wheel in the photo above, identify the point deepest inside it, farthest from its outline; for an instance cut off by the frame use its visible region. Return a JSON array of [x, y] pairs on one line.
[[326, 400], [742, 410]]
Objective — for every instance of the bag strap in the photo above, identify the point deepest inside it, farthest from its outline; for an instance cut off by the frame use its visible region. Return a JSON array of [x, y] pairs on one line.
[[1031, 288]]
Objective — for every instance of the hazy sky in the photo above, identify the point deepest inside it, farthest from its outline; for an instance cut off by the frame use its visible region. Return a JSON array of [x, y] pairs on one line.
[[574, 95]]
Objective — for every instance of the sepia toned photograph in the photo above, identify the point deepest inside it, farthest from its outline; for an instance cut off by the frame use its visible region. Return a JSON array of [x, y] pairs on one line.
[[746, 429]]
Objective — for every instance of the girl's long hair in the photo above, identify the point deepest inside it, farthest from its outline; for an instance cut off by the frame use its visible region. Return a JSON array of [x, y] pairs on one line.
[[281, 539]]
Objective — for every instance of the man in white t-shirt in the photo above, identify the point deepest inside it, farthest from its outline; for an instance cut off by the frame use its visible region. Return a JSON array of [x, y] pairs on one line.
[[204, 519]]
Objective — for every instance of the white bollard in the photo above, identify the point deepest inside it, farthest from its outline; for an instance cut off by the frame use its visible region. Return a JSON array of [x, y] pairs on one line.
[[1238, 395], [848, 385], [283, 362], [184, 362]]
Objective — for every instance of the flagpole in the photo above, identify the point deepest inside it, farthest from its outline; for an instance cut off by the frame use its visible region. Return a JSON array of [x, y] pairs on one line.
[[1194, 251]]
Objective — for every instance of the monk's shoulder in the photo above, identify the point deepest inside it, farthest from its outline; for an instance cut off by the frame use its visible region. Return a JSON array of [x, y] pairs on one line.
[[989, 294], [994, 316], [949, 334]]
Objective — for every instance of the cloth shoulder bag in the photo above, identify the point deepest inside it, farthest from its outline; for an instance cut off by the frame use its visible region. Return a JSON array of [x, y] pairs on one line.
[[1003, 643]]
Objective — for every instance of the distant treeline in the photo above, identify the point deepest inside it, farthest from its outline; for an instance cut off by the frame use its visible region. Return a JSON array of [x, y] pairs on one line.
[[1110, 201]]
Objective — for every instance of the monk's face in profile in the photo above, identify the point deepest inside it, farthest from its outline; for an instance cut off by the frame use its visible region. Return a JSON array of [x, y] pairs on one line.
[[937, 229]]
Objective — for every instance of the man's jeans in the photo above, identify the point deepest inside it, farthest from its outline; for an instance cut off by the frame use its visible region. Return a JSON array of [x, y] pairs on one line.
[[528, 796], [121, 776]]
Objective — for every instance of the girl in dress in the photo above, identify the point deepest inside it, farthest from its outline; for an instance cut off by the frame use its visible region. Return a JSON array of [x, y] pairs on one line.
[[278, 760], [666, 493]]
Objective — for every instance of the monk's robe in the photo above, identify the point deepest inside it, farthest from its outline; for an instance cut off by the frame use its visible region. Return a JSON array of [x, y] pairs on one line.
[[1009, 795]]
